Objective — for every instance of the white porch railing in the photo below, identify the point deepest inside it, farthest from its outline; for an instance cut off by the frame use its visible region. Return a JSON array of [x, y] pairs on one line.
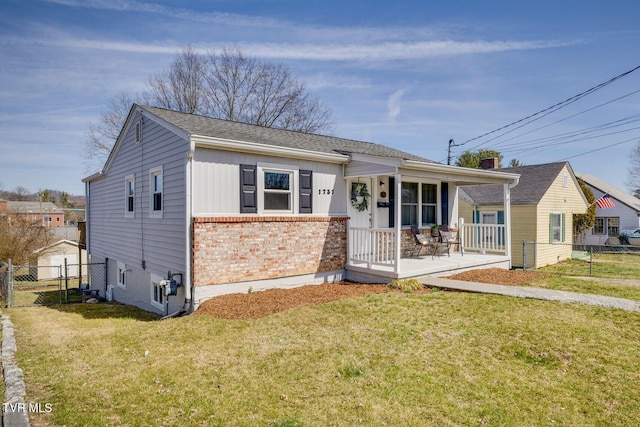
[[372, 246], [483, 238]]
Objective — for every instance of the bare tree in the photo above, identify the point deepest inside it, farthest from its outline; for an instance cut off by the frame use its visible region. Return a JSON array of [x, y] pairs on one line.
[[229, 85], [102, 135], [244, 89], [633, 173], [20, 237], [20, 194], [181, 87]]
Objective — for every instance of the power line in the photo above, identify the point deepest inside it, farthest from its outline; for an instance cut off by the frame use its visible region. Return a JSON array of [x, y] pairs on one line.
[[562, 119], [544, 141], [556, 106], [602, 148]]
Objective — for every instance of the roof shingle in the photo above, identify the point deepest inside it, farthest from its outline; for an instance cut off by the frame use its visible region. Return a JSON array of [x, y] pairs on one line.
[[217, 128]]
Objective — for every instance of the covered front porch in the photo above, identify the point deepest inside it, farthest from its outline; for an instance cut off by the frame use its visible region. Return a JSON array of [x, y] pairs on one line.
[[389, 196], [371, 262]]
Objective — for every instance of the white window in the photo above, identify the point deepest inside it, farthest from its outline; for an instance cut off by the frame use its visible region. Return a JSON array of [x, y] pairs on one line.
[[155, 192], [122, 275], [157, 291], [556, 227], [130, 193], [489, 217], [276, 188], [419, 202], [278, 191], [409, 203]]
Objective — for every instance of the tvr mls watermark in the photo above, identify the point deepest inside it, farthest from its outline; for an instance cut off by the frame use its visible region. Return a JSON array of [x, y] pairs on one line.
[[21, 407]]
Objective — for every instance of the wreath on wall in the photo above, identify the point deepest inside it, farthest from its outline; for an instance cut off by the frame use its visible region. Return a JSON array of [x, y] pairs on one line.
[[360, 196]]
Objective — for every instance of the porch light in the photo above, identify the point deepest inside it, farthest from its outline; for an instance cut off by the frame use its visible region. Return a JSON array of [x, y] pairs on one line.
[[382, 184]]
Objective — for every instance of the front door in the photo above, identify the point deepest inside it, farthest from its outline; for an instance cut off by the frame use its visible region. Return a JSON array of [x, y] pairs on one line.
[[360, 202]]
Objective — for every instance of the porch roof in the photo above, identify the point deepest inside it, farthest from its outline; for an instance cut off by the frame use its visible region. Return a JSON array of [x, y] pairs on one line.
[[363, 166]]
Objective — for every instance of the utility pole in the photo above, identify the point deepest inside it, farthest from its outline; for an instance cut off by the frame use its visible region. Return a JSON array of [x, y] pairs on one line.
[[451, 144]]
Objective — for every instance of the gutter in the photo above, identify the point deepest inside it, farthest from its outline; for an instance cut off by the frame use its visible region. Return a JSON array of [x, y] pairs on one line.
[[270, 150]]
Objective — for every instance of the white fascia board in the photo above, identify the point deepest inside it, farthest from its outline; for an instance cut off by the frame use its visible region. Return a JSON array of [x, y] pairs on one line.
[[457, 173], [269, 150], [135, 109], [95, 177], [388, 161]]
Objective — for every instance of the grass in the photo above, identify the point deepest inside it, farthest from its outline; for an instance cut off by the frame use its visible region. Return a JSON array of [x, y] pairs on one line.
[[604, 265], [607, 268], [438, 358], [43, 295]]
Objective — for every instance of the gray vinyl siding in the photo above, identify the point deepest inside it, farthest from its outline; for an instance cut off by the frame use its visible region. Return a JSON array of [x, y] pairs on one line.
[[216, 182], [158, 241]]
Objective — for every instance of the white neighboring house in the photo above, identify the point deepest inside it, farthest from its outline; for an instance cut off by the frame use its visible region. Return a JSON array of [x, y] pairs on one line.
[[610, 222], [224, 207]]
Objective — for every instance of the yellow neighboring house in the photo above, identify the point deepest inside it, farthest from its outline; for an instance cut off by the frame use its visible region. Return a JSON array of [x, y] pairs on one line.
[[542, 209]]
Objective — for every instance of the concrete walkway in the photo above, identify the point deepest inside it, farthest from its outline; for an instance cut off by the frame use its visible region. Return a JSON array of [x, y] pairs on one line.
[[527, 292]]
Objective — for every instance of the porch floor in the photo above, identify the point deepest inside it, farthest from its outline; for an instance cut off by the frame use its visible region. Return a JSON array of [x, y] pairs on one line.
[[425, 266]]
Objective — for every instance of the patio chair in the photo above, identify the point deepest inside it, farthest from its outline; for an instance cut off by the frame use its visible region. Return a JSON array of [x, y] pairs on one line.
[[452, 239], [422, 240]]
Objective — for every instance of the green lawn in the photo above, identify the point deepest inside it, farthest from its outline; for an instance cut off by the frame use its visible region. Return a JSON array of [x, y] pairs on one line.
[[568, 276], [396, 359]]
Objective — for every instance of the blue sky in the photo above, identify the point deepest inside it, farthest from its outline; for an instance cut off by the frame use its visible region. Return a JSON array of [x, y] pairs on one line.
[[408, 74]]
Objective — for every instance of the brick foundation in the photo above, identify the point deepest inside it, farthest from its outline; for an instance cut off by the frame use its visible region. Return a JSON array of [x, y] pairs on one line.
[[238, 249]]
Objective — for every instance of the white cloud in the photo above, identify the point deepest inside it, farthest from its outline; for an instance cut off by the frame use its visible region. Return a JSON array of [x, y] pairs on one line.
[[392, 51], [393, 104]]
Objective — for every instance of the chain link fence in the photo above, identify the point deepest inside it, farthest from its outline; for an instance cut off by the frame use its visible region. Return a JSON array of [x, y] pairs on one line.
[[27, 285], [586, 260]]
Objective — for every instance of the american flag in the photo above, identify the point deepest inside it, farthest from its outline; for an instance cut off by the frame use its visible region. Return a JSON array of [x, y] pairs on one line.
[[605, 202]]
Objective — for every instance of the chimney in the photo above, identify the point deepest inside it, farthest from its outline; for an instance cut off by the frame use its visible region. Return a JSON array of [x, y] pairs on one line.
[[489, 163]]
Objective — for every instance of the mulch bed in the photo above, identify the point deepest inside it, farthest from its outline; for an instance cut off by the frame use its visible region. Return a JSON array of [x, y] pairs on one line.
[[258, 304]]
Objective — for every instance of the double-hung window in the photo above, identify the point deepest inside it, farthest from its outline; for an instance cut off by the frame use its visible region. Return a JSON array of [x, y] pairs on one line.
[[155, 192], [598, 226], [129, 189], [613, 226], [556, 227], [429, 203], [419, 203], [278, 190], [409, 203]]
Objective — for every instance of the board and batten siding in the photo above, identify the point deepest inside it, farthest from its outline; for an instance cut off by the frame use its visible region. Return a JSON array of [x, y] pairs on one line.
[[216, 182], [160, 242]]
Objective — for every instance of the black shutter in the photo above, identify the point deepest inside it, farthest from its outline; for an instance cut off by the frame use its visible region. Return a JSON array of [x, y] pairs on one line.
[[392, 201], [306, 191], [444, 199], [248, 201]]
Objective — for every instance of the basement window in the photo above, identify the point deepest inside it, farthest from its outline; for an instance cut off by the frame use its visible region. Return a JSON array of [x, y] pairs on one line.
[[157, 292], [122, 275]]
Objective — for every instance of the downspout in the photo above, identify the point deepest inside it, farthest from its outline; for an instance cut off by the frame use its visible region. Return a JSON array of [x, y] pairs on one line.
[[87, 224], [188, 256]]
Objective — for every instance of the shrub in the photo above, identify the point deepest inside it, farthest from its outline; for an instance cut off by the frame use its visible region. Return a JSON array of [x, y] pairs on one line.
[[406, 285]]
